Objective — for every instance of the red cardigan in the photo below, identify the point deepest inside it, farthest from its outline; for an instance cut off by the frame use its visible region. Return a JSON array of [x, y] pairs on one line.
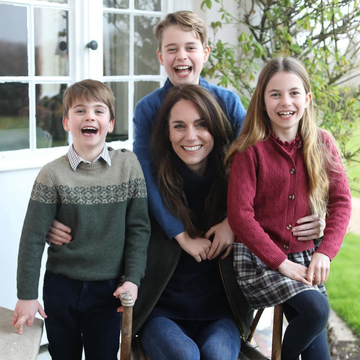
[[268, 193]]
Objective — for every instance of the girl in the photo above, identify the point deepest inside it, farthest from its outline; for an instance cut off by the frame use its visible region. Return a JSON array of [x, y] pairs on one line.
[[284, 167]]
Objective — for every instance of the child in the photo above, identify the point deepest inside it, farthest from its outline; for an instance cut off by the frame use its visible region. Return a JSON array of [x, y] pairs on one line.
[[284, 167], [100, 192], [182, 50]]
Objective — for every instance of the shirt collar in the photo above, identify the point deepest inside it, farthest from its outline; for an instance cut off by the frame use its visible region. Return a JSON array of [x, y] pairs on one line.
[[75, 159]]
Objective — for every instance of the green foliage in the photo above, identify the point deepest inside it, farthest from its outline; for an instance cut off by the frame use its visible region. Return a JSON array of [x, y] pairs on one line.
[[343, 286], [323, 34]]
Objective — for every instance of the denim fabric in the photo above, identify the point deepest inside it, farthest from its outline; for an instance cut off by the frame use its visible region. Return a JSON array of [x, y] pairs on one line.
[[81, 314], [307, 313], [165, 339]]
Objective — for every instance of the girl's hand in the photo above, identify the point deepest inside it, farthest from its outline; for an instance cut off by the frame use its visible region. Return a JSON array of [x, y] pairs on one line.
[[319, 268], [58, 234], [294, 271], [127, 286], [223, 239], [309, 228], [25, 311], [198, 248]]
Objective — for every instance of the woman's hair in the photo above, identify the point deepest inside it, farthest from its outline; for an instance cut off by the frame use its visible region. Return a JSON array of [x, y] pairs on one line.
[[170, 183], [257, 127]]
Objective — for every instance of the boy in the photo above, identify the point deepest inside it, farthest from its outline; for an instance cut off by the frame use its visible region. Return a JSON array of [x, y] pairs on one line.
[[100, 192], [182, 50]]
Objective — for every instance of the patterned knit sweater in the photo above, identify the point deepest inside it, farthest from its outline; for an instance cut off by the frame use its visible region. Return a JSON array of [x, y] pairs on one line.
[[106, 208]]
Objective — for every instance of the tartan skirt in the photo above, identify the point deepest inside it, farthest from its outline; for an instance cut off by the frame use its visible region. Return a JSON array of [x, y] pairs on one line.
[[264, 287]]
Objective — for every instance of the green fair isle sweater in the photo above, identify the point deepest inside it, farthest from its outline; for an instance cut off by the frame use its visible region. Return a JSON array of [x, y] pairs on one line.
[[106, 208]]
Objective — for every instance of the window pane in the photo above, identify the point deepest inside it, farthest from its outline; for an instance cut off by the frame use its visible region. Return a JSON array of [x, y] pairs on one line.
[[116, 44], [14, 116], [143, 88], [146, 61], [121, 129], [49, 128], [116, 4], [13, 41], [51, 42], [151, 5]]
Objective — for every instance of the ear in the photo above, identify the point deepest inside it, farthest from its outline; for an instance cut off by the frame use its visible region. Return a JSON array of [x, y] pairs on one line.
[[206, 53], [308, 98], [111, 126], [65, 124], [160, 57]]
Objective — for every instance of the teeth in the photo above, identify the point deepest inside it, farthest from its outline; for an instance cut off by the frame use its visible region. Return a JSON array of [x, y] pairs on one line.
[[182, 67], [192, 148], [286, 113], [89, 128]]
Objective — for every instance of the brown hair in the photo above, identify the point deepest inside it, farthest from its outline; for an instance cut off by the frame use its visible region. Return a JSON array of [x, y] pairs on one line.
[[170, 182], [187, 21], [89, 90]]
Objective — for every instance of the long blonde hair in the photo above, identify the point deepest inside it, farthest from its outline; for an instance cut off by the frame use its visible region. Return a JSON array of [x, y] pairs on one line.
[[257, 127]]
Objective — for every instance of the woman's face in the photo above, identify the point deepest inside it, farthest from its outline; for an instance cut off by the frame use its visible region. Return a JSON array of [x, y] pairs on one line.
[[189, 136]]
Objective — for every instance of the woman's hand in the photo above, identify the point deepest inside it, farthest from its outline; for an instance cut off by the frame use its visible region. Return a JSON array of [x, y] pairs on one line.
[[129, 287], [58, 234], [223, 239], [319, 268], [295, 271], [198, 248], [309, 228]]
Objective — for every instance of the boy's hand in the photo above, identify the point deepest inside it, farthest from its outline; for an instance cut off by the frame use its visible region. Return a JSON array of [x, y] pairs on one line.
[[319, 268], [127, 286], [309, 228], [58, 234], [223, 239], [25, 311], [198, 248]]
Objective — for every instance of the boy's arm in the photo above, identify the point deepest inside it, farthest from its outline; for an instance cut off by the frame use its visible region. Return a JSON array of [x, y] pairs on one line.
[[144, 119], [40, 213], [25, 311]]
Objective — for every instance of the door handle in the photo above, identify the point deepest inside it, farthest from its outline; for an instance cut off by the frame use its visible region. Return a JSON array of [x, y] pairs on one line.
[[93, 45]]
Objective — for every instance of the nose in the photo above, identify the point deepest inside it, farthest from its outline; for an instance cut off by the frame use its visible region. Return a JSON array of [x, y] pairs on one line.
[[90, 116], [182, 54], [191, 134], [286, 100]]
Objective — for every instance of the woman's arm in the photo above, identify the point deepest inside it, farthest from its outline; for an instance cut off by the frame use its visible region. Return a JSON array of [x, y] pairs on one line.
[[198, 248], [309, 228]]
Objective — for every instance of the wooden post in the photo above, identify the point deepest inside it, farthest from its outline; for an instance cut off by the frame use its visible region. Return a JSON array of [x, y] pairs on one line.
[[126, 325], [277, 332], [254, 324]]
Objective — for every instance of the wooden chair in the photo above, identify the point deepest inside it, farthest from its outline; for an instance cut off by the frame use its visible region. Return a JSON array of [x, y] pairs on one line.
[[277, 330], [133, 350]]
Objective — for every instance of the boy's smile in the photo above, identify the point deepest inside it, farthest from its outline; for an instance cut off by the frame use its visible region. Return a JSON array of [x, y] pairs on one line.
[[182, 55], [89, 123]]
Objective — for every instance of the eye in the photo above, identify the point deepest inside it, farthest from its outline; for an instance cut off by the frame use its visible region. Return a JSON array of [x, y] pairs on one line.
[[79, 111], [178, 126], [99, 111], [171, 50], [190, 48], [201, 125], [275, 95], [295, 93]]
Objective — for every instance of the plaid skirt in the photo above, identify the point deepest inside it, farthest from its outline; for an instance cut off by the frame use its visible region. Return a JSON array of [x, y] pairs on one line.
[[264, 287]]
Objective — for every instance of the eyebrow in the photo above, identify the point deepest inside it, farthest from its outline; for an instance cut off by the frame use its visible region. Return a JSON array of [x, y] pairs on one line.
[[175, 44], [182, 121], [292, 89], [83, 105]]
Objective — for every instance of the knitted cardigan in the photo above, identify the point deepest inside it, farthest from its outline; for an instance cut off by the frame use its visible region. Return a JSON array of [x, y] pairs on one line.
[[106, 208], [268, 194]]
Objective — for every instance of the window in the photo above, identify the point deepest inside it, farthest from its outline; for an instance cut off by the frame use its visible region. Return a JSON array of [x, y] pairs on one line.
[[47, 45]]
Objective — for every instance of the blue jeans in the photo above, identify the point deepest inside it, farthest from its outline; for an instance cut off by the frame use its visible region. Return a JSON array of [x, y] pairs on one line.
[[307, 313], [81, 314], [164, 339]]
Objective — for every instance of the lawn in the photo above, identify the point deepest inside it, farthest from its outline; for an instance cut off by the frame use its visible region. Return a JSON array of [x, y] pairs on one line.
[[343, 285]]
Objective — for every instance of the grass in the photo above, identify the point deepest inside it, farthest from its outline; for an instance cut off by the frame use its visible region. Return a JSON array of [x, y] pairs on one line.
[[343, 286], [354, 168]]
